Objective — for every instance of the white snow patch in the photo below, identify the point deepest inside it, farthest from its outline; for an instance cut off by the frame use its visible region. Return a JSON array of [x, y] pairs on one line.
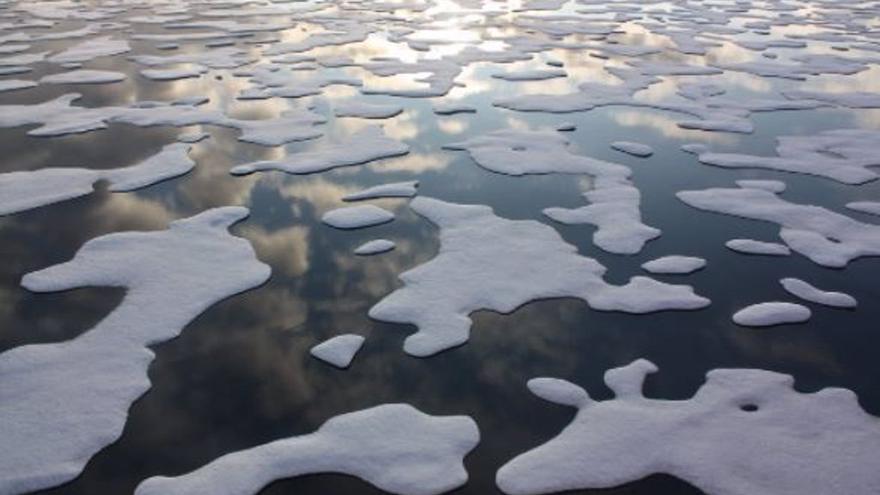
[[631, 148], [395, 447], [489, 262], [771, 313], [675, 264], [20, 191], [405, 189], [376, 246], [365, 146], [781, 441], [84, 76], [810, 293], [338, 351], [751, 246], [70, 399], [357, 217]]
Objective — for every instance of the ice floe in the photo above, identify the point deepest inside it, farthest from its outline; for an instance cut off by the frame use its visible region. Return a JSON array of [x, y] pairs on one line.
[[489, 262], [20, 191], [675, 264], [84, 76], [376, 246], [631, 148], [824, 236], [405, 189], [781, 441], [366, 110], [368, 144], [357, 217], [395, 447], [171, 276], [751, 246], [771, 313], [808, 292], [338, 351], [844, 155]]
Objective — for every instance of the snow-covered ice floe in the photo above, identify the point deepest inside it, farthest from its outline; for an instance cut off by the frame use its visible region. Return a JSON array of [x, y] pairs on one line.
[[768, 314], [779, 440], [338, 351], [69, 400], [489, 262], [395, 447]]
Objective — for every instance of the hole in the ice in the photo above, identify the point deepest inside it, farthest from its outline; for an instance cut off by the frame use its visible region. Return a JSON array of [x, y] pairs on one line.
[[749, 407], [518, 147]]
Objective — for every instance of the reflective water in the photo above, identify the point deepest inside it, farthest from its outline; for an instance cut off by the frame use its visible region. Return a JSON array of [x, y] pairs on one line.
[[240, 375]]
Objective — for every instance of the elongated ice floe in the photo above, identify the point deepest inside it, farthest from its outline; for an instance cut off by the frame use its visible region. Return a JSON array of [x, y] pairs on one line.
[[808, 292], [59, 118], [771, 313], [365, 146], [869, 207], [102, 46], [20, 191], [395, 447], [675, 264], [405, 189], [825, 237], [489, 262], [751, 246], [171, 276], [16, 84], [365, 110], [357, 217], [515, 152], [84, 76], [635, 149], [376, 246], [781, 441], [338, 351], [844, 155]]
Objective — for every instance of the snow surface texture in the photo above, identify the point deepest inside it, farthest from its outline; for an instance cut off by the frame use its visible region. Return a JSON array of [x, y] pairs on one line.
[[489, 262], [810, 293], [614, 201], [781, 441], [365, 146], [771, 313], [395, 447], [357, 217], [676, 264], [844, 155], [825, 237], [171, 277], [338, 351], [20, 191]]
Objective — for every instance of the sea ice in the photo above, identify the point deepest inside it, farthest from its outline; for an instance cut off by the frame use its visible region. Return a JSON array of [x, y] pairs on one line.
[[825, 237], [376, 246], [395, 447], [357, 217], [338, 351], [751, 246], [84, 76], [70, 399], [779, 440], [366, 145], [489, 262], [631, 148], [675, 264], [365, 110], [20, 191], [771, 313], [810, 293], [405, 189]]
